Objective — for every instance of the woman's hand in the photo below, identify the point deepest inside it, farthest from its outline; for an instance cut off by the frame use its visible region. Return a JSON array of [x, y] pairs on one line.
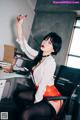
[[20, 19], [8, 69]]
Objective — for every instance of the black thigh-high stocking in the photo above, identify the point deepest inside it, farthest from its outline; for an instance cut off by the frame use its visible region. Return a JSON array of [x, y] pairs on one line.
[[24, 98], [39, 111]]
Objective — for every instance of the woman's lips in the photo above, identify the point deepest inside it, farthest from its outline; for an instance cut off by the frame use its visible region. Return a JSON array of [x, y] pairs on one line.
[[42, 45]]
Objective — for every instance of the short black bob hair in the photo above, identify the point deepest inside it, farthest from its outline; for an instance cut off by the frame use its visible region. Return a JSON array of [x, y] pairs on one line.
[[56, 41]]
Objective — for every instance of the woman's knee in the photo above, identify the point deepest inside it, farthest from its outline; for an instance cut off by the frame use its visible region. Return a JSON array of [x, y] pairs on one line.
[[26, 115]]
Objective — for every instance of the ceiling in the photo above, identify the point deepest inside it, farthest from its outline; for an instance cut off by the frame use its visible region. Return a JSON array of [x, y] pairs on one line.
[[46, 5]]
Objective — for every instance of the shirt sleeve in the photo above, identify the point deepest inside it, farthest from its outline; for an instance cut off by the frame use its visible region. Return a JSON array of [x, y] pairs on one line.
[[30, 52], [47, 78]]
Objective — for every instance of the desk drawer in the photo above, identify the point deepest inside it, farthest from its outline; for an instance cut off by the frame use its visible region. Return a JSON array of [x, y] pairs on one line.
[[2, 83]]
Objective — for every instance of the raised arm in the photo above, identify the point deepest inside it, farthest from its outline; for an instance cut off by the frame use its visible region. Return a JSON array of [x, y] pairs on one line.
[[30, 52]]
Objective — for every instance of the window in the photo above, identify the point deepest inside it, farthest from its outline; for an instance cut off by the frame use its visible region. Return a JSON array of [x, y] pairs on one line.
[[74, 53]]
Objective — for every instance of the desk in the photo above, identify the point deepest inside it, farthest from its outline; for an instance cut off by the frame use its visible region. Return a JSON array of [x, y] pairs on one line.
[[7, 82], [4, 75]]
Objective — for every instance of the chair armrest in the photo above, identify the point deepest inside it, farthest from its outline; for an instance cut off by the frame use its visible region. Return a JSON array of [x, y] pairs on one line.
[[49, 98], [62, 112], [21, 54]]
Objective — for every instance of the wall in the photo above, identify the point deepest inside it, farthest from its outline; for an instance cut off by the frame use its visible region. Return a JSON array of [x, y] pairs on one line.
[[9, 9]]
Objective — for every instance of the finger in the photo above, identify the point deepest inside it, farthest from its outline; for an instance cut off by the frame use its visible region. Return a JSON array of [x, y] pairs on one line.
[[18, 18], [20, 15], [25, 15]]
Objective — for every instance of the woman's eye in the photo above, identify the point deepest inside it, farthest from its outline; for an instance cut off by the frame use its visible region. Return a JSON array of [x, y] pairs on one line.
[[45, 40], [50, 42]]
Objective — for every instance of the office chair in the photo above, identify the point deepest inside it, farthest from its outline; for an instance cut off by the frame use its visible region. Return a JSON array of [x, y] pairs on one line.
[[67, 78], [74, 105], [66, 81], [22, 60]]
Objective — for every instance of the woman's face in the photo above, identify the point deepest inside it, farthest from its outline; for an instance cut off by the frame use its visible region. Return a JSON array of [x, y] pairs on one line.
[[46, 46]]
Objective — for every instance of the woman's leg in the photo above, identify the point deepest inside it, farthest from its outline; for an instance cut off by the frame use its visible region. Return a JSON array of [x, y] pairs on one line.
[[24, 98], [39, 111]]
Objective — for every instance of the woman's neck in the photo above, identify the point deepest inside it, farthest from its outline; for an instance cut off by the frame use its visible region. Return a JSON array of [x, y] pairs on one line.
[[46, 54]]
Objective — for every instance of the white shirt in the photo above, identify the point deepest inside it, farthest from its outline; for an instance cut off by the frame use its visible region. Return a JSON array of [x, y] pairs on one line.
[[43, 74]]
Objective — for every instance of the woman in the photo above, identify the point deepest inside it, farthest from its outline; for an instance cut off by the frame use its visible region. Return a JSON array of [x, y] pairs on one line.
[[43, 71]]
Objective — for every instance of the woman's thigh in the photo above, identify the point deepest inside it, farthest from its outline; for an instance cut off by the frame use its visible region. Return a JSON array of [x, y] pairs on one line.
[[27, 95], [39, 111]]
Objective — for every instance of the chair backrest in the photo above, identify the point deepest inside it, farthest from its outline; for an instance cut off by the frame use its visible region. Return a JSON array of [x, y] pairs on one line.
[[9, 53], [67, 79], [22, 60]]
